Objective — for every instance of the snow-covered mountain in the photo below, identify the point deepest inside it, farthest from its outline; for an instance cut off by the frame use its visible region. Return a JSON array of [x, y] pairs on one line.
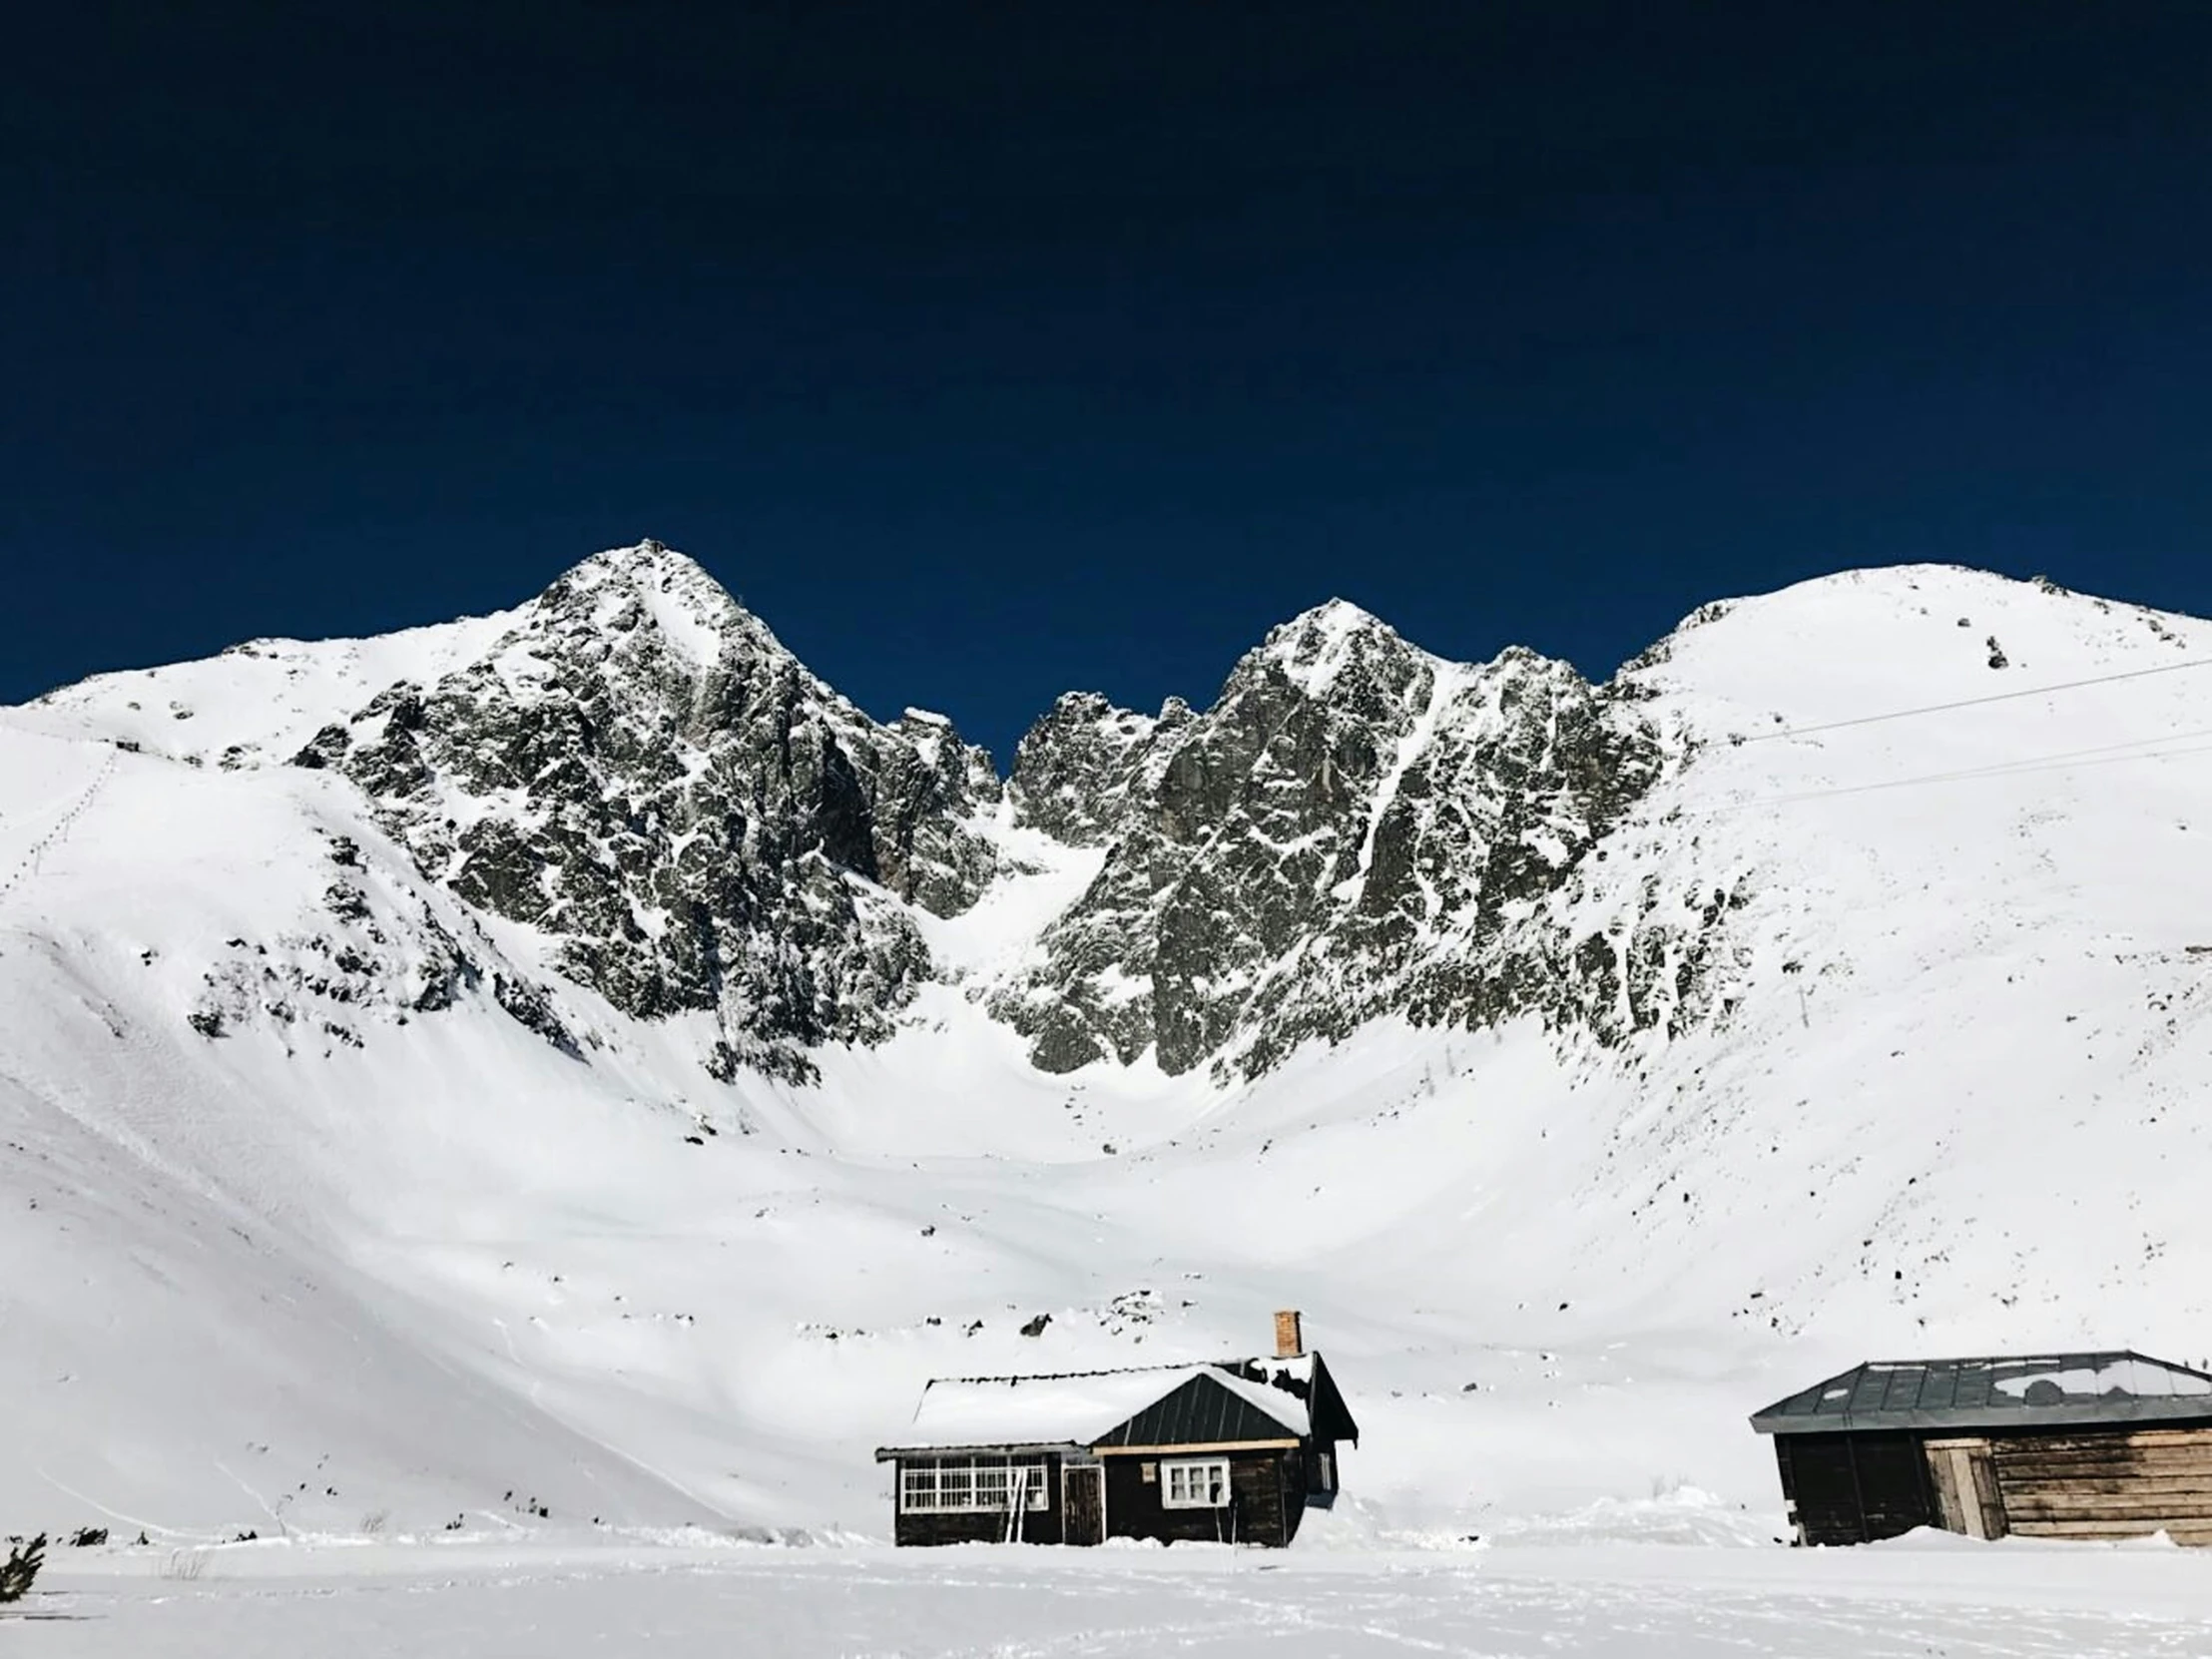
[[1353, 830], [575, 1061]]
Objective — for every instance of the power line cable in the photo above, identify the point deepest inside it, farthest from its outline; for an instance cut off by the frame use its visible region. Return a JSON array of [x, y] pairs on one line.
[[2064, 760], [2004, 768], [1978, 701]]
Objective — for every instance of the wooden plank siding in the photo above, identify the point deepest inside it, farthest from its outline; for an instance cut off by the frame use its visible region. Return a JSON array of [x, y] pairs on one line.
[[2115, 1484], [1851, 1489], [2118, 1482], [1267, 1489], [1963, 1475], [976, 1526]]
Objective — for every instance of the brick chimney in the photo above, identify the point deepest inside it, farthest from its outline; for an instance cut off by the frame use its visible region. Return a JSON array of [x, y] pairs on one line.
[[1290, 1337]]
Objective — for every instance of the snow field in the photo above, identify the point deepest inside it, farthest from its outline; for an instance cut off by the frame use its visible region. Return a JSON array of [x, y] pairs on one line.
[[1025, 1602]]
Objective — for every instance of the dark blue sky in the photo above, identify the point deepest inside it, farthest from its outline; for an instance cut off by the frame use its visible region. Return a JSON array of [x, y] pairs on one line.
[[992, 351]]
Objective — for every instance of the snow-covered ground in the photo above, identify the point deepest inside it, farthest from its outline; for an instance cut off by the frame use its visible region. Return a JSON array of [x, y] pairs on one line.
[[372, 1272], [1904, 1602]]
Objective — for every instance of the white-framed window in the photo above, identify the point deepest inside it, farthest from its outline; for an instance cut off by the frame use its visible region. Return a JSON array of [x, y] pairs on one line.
[[973, 1484], [1195, 1484]]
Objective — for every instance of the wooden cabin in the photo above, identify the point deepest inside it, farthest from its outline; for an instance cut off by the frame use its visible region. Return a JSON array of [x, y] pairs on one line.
[[2066, 1445], [1227, 1451]]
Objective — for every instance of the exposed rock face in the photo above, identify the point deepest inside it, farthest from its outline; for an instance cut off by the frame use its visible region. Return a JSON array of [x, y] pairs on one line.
[[638, 769], [375, 950], [1073, 769], [1355, 828], [642, 770]]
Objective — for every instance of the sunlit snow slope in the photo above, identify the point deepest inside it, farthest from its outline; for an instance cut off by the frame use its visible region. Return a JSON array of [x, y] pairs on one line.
[[448, 1239]]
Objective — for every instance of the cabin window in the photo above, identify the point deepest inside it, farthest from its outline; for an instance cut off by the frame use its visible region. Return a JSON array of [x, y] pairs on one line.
[[972, 1484], [1199, 1484]]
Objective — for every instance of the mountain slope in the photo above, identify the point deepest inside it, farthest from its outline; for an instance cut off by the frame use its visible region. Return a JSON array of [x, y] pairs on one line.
[[1630, 1053]]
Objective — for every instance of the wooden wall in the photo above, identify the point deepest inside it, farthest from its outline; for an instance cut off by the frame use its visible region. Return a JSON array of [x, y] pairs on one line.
[[1315, 1451], [2107, 1483], [1853, 1488], [1269, 1488], [2090, 1483], [978, 1526], [1964, 1476], [1296, 1479]]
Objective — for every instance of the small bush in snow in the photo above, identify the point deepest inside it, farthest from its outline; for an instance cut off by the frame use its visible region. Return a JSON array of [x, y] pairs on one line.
[[21, 1567]]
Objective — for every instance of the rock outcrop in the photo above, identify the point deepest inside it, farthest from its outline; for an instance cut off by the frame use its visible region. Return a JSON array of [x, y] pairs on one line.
[[640, 774], [640, 771], [1354, 828]]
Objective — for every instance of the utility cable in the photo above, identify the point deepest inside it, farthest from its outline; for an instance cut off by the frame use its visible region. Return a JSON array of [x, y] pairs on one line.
[[1978, 701], [2003, 769], [2063, 761]]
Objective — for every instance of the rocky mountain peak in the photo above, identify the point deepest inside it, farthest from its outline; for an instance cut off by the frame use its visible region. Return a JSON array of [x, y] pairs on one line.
[[1073, 769], [640, 770], [1316, 648], [651, 591], [686, 820], [633, 765], [1354, 828]]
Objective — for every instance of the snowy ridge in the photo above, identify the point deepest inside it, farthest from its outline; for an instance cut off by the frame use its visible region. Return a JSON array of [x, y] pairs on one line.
[[635, 1147], [261, 699]]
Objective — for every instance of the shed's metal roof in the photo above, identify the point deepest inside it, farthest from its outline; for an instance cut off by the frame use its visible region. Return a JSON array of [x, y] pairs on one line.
[[2021, 1393]]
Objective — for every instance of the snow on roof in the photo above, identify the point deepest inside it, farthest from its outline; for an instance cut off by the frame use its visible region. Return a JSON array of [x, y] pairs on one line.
[[2100, 1375], [1993, 1392], [1082, 1408], [1284, 1407], [1296, 1370]]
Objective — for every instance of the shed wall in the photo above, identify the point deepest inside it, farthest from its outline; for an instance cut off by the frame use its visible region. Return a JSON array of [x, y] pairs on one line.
[[2109, 1484], [1854, 1488], [2114, 1482]]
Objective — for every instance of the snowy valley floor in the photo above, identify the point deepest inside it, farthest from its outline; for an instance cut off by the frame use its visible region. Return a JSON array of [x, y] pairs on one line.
[[1908, 1600]]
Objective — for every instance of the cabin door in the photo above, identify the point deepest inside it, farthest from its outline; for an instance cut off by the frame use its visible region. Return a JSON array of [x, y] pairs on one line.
[[1082, 1504], [1965, 1479]]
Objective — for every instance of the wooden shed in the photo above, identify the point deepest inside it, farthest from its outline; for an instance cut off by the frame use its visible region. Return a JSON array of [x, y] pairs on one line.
[[2064, 1445], [1230, 1452]]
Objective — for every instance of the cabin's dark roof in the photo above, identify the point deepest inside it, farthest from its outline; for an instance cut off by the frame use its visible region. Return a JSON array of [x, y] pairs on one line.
[[1207, 1411], [1269, 1398], [2025, 1392]]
